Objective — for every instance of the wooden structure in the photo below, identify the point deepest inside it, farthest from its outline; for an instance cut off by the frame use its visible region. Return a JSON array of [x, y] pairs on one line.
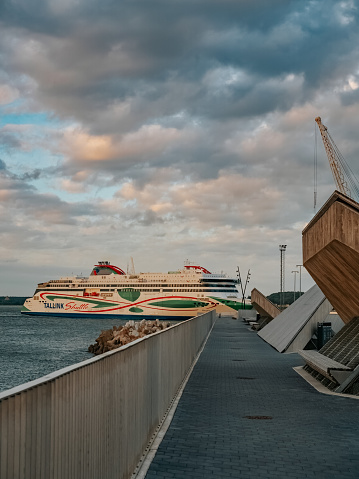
[[331, 253], [263, 306]]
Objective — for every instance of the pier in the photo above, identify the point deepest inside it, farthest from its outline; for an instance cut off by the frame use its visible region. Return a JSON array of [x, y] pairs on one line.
[[245, 412], [94, 419], [210, 397]]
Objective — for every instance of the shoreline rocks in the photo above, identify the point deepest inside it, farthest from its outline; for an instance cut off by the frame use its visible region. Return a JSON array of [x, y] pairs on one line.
[[118, 336]]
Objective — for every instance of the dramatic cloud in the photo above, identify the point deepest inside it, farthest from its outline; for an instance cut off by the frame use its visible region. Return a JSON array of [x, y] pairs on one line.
[[168, 130]]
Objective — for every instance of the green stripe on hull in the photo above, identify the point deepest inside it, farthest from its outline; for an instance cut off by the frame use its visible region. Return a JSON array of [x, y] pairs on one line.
[[236, 305], [99, 304], [133, 295], [129, 294], [179, 303]]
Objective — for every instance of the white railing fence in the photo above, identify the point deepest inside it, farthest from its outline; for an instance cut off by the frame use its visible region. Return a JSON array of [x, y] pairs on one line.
[[93, 420]]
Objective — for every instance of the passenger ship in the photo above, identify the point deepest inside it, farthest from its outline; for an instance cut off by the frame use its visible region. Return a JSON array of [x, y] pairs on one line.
[[110, 291]]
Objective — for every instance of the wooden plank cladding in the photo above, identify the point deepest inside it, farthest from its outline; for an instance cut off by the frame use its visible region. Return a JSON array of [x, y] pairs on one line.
[[331, 253], [262, 305]]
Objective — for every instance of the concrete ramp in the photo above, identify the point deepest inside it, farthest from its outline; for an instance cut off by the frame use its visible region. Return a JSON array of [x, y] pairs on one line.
[[331, 253], [292, 329]]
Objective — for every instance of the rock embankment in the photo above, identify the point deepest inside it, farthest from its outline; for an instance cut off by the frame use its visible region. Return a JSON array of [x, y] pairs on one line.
[[120, 335]]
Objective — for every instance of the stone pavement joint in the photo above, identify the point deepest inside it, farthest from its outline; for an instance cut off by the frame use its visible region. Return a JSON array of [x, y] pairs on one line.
[[310, 435]]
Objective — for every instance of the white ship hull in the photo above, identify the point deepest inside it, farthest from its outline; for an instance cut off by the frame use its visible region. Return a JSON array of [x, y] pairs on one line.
[[181, 294]]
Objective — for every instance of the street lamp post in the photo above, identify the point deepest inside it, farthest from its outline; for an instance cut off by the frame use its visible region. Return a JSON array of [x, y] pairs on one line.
[[243, 288], [282, 248], [300, 266], [240, 281], [295, 276]]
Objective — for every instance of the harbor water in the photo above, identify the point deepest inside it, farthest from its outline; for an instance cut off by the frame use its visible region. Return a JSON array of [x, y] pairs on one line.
[[33, 346]]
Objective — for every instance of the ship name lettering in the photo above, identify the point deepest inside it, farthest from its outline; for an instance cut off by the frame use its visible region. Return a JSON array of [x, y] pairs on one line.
[[54, 305], [77, 307]]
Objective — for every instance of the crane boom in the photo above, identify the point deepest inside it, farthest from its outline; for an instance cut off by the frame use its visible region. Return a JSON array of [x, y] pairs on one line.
[[332, 154]]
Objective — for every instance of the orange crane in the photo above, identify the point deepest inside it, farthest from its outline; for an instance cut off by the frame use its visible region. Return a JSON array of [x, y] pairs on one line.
[[340, 169]]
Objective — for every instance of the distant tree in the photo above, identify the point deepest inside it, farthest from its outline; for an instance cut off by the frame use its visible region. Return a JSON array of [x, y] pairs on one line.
[[12, 300], [288, 297]]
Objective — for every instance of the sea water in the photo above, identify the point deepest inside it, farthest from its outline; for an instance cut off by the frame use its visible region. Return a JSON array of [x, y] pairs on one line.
[[33, 346]]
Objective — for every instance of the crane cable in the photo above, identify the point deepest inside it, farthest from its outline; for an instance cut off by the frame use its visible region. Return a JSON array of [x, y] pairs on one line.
[[315, 168], [348, 172]]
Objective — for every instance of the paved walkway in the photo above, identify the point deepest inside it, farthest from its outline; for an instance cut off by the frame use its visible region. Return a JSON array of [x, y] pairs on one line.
[[246, 414]]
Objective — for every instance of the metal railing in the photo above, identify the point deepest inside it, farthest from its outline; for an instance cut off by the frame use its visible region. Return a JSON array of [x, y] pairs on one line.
[[94, 419]]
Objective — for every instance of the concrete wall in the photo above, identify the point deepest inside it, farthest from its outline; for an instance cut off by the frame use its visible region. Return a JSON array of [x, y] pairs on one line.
[[309, 328], [291, 330], [336, 320], [94, 419]]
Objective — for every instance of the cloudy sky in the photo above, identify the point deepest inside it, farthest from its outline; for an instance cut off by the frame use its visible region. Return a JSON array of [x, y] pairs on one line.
[[167, 130]]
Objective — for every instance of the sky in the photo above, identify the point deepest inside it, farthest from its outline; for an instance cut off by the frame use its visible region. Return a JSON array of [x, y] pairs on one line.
[[169, 130]]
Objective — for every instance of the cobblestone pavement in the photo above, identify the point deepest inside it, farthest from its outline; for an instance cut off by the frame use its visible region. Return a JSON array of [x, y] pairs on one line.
[[246, 414]]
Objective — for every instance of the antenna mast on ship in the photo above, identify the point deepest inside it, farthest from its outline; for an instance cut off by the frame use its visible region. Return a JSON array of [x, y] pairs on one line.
[[131, 267]]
